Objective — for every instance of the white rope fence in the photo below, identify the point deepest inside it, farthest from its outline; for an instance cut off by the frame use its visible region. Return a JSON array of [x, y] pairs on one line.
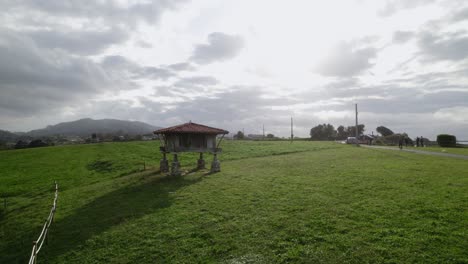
[[37, 245]]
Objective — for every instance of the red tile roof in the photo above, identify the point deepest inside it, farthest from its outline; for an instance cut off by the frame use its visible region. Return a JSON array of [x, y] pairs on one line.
[[191, 128]]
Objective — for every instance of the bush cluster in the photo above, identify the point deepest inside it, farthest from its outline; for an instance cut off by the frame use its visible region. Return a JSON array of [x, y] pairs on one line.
[[445, 140]]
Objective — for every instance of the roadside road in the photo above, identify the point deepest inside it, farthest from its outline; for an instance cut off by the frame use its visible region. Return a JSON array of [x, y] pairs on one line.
[[458, 156]]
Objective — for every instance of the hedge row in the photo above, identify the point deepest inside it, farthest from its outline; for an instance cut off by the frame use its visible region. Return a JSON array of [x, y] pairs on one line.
[[445, 140]]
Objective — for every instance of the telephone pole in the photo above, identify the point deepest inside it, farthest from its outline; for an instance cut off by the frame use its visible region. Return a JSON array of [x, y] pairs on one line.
[[263, 131], [292, 134], [357, 133]]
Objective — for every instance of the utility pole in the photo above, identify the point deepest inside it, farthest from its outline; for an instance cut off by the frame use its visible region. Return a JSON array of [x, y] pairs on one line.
[[292, 134], [357, 134], [263, 131]]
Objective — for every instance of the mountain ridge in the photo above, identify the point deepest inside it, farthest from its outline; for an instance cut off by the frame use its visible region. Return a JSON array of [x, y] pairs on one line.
[[85, 127]]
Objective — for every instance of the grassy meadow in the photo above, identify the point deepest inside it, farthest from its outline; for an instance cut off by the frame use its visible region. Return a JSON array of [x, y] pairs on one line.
[[273, 202]]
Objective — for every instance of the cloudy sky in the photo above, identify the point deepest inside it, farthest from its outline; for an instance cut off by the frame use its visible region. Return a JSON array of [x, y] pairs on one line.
[[237, 64]]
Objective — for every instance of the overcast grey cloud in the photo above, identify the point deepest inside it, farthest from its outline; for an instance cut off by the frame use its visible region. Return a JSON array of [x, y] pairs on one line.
[[182, 66], [345, 60], [171, 61], [196, 81], [393, 6], [228, 109], [109, 12], [43, 67], [444, 46], [460, 15], [151, 72], [220, 47], [33, 79], [237, 105], [83, 42], [400, 37], [118, 65]]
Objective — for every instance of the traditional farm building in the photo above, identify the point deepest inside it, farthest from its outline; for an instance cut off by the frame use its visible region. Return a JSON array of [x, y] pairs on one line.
[[189, 137]]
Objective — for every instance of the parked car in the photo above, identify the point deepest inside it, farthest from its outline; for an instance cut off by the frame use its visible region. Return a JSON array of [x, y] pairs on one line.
[[351, 140]]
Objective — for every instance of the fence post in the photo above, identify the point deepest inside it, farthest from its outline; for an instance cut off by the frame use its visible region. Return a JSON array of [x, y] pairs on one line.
[[44, 234], [34, 252]]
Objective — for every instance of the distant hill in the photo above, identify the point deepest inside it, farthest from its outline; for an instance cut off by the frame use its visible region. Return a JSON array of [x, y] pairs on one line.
[[86, 127], [6, 136]]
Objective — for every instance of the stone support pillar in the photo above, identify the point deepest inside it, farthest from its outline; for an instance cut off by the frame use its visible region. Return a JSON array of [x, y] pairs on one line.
[[201, 162], [164, 164], [215, 165], [175, 166]]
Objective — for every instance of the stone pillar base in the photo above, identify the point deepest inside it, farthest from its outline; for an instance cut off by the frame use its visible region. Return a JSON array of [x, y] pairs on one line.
[[175, 167], [215, 165], [164, 165], [201, 162]]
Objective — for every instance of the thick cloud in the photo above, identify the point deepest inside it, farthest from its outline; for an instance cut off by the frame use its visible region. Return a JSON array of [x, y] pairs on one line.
[[393, 6], [106, 12], [123, 109], [182, 66], [400, 37], [461, 15], [119, 63], [150, 72], [188, 88], [423, 93], [86, 60], [229, 109], [33, 79], [408, 101], [81, 42], [196, 81], [220, 47], [121, 66], [81, 28], [345, 60], [235, 109], [448, 46], [458, 114], [36, 80], [44, 49]]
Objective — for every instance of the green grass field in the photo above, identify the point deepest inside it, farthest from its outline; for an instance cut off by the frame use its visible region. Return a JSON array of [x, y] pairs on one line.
[[273, 202]]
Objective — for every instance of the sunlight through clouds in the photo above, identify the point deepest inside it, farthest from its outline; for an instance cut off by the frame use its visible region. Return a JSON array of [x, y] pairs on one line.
[[308, 59]]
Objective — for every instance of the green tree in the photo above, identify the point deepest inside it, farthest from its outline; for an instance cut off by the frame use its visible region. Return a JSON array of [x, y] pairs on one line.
[[352, 130], [384, 131], [341, 132], [323, 132], [239, 135]]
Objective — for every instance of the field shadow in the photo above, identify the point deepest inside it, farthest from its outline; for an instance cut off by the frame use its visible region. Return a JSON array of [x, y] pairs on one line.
[[112, 209]]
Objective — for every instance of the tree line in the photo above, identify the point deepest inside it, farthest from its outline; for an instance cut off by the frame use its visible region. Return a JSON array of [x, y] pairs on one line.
[[328, 132]]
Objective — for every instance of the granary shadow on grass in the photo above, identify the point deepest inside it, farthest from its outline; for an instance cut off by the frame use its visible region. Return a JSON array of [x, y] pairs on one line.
[[112, 209]]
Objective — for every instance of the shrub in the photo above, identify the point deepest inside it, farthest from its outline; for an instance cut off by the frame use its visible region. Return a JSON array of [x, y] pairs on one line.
[[445, 140]]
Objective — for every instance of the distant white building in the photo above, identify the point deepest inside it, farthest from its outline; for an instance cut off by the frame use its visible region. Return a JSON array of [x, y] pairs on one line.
[[149, 137], [255, 136]]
